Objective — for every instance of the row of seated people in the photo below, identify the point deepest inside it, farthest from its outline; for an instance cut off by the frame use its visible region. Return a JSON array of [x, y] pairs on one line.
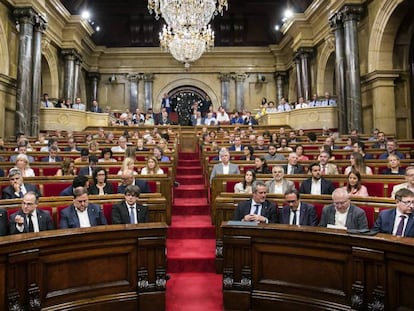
[[340, 213], [80, 213]]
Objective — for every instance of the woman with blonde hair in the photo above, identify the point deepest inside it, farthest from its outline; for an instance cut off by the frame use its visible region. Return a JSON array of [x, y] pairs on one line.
[[358, 163], [67, 168], [394, 167], [22, 163], [152, 167], [127, 164], [164, 145]]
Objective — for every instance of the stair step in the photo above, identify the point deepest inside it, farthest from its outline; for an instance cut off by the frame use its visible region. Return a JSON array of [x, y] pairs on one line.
[[191, 227], [188, 206], [191, 255], [188, 155], [189, 170], [190, 179], [190, 191], [185, 163]]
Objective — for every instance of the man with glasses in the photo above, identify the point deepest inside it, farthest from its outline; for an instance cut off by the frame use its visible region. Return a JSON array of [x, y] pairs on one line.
[[257, 209], [224, 167], [296, 212], [342, 214], [409, 182], [129, 211], [17, 186], [29, 218], [398, 221], [81, 213]]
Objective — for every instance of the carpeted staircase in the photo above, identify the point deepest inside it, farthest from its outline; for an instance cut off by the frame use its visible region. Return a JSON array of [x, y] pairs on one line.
[[191, 243]]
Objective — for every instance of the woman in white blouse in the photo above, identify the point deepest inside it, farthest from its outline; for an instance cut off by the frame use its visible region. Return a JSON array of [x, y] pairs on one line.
[[22, 163], [152, 167], [245, 186]]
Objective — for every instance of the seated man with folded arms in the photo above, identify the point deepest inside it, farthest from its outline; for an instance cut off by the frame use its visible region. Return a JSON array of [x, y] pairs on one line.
[[342, 214], [17, 186], [81, 213], [129, 211], [398, 221], [257, 209], [29, 218], [296, 212]]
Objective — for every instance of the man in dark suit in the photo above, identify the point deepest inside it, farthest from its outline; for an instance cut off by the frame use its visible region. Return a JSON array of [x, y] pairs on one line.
[[293, 167], [17, 186], [95, 107], [129, 211], [78, 181], [81, 213], [88, 170], [53, 157], [297, 212], [398, 221], [29, 218], [257, 209], [129, 179], [342, 213], [316, 184], [3, 223], [166, 103]]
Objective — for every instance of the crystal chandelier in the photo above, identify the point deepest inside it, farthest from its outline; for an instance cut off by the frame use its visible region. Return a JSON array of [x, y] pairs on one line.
[[188, 44], [184, 13]]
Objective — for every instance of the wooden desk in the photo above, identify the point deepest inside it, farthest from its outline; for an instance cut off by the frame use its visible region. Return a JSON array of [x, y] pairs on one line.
[[119, 267], [282, 267]]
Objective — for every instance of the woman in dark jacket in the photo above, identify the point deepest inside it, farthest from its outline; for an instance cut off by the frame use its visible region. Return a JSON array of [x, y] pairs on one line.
[[100, 186]]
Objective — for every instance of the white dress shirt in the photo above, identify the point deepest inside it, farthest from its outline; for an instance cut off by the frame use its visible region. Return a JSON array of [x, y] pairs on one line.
[[83, 218]]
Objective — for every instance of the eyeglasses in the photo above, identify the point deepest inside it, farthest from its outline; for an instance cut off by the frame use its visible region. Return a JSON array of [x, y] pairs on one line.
[[407, 203], [291, 201], [340, 203]]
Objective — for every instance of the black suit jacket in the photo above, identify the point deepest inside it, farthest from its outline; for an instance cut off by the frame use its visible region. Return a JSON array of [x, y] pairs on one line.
[[84, 171], [307, 215], [4, 230], [298, 169], [385, 223], [108, 189], [269, 210], [96, 109], [8, 192], [69, 218], [120, 214], [327, 186], [46, 159], [43, 217], [142, 184]]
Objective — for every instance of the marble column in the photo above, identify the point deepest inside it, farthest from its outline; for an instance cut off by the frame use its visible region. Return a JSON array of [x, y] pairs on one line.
[[25, 18], [336, 23], [94, 78], [76, 73], [240, 78], [298, 64], [305, 55], [225, 90], [69, 60], [280, 78], [148, 84], [133, 90], [39, 28], [351, 15]]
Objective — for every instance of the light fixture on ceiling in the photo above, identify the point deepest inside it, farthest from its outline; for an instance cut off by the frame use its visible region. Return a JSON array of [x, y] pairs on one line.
[[183, 13], [188, 44]]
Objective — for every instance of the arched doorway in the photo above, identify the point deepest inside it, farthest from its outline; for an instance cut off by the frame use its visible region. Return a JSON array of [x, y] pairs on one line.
[[184, 99]]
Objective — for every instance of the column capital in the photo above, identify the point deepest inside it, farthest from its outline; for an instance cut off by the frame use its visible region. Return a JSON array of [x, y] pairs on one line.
[[281, 74], [94, 75], [135, 77], [25, 15], [148, 77], [305, 51], [40, 23], [240, 77], [71, 54], [225, 76], [336, 20], [351, 12]]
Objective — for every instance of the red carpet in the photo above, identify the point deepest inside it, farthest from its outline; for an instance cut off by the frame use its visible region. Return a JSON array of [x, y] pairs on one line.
[[191, 244]]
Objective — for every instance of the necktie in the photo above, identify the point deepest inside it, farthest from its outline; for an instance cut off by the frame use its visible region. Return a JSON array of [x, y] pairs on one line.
[[256, 211], [46, 104], [132, 215], [21, 194], [400, 226], [294, 217], [31, 228], [323, 171]]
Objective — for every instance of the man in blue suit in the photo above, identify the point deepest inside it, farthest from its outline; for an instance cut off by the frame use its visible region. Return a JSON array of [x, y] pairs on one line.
[[398, 221], [129, 179], [257, 209], [17, 186], [297, 212], [81, 213]]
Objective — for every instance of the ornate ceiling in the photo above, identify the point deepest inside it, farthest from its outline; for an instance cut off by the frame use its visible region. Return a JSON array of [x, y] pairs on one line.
[[127, 23]]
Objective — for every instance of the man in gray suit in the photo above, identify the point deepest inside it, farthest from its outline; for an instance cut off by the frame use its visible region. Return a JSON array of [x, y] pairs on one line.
[[278, 184], [342, 213], [224, 167]]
